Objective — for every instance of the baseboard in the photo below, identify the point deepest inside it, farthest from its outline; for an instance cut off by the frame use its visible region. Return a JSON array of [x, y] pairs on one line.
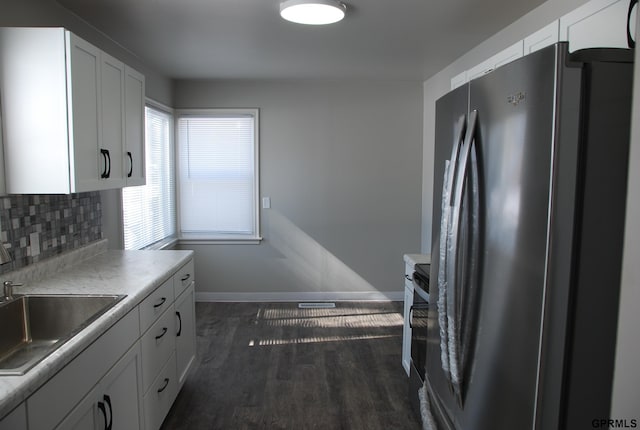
[[394, 296]]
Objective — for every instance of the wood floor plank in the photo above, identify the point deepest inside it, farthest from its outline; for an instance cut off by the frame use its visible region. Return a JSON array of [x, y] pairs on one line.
[[274, 366]]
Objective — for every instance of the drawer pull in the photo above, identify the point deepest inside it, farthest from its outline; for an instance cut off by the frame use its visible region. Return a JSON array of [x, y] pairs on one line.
[[179, 324], [164, 331], [104, 414], [185, 277], [108, 422], [164, 387], [107, 400], [162, 300]]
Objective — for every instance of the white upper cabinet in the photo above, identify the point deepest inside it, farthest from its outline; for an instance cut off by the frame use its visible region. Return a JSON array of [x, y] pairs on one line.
[[113, 120], [459, 80], [64, 114], [598, 23], [503, 57], [542, 38], [134, 126]]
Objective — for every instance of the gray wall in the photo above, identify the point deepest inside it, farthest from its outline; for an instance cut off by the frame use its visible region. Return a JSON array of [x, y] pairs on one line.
[[341, 163]]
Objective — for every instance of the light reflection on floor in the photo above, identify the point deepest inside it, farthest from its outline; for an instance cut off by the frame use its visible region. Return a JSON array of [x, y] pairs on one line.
[[344, 316]]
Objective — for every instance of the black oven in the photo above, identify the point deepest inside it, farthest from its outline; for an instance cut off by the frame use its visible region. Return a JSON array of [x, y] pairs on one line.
[[418, 322]]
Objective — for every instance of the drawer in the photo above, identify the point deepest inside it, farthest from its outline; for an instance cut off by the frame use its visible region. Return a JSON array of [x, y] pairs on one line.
[[183, 278], [155, 304], [157, 345], [160, 396]]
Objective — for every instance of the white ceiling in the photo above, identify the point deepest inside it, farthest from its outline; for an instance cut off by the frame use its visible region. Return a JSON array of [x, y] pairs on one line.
[[221, 39]]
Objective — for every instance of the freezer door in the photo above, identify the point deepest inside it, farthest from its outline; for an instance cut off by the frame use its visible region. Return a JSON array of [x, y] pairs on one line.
[[493, 311]]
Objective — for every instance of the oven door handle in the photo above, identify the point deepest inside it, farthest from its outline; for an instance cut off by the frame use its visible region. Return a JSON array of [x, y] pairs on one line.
[[411, 317]]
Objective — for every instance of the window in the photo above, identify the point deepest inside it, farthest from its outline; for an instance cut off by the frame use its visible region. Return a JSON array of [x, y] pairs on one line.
[[149, 212], [218, 174]]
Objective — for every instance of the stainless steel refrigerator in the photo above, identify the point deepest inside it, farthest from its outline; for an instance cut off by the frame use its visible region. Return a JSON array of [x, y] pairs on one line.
[[529, 206]]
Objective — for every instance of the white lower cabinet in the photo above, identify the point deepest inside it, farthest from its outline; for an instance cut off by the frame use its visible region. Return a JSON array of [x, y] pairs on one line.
[[185, 333], [115, 403], [168, 346], [161, 394], [52, 402], [129, 377], [16, 419], [158, 343]]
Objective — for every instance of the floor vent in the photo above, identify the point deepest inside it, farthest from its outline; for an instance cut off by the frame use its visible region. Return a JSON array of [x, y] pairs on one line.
[[316, 305]]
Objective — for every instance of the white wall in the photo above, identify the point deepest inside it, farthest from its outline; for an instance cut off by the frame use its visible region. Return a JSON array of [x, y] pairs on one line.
[[341, 163]]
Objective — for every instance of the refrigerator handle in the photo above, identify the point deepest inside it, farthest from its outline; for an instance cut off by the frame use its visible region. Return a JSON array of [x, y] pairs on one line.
[[457, 293], [447, 186]]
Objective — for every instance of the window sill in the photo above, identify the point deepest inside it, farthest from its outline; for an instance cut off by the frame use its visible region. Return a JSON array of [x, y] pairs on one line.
[[219, 240]]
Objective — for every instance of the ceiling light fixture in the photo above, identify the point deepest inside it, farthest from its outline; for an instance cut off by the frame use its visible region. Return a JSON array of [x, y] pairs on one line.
[[312, 12]]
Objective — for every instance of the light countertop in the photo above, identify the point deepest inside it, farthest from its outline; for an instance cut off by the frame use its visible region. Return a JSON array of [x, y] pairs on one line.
[[134, 273]]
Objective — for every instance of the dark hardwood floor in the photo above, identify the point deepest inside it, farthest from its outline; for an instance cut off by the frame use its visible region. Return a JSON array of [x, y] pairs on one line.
[[274, 366]]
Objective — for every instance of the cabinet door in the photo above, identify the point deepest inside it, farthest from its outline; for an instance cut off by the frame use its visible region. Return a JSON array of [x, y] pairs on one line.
[[15, 420], [112, 115], [503, 57], [83, 75], [459, 80], [542, 38], [185, 333], [116, 402], [135, 128], [123, 387], [597, 24]]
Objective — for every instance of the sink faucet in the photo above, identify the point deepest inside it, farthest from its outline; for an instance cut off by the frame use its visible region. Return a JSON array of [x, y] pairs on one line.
[[8, 289]]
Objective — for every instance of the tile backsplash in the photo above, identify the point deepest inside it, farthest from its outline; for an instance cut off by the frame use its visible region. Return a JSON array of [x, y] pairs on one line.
[[36, 227]]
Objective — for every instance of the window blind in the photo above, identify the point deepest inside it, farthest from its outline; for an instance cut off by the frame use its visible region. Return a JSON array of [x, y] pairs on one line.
[[149, 210], [217, 175]]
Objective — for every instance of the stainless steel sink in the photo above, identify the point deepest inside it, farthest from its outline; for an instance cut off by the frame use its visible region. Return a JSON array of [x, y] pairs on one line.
[[33, 326]]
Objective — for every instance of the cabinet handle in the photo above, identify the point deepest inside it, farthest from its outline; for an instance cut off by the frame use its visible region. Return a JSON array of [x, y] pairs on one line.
[[109, 166], [179, 324], [130, 165], [164, 331], [408, 278], [162, 300], [107, 400], [104, 414], [630, 40], [187, 276], [105, 173], [164, 387]]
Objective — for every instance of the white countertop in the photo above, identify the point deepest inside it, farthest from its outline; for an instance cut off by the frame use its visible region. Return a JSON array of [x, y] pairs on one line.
[[413, 259], [134, 273]]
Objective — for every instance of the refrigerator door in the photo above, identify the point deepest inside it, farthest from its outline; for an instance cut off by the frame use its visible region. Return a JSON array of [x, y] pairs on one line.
[[494, 237]]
